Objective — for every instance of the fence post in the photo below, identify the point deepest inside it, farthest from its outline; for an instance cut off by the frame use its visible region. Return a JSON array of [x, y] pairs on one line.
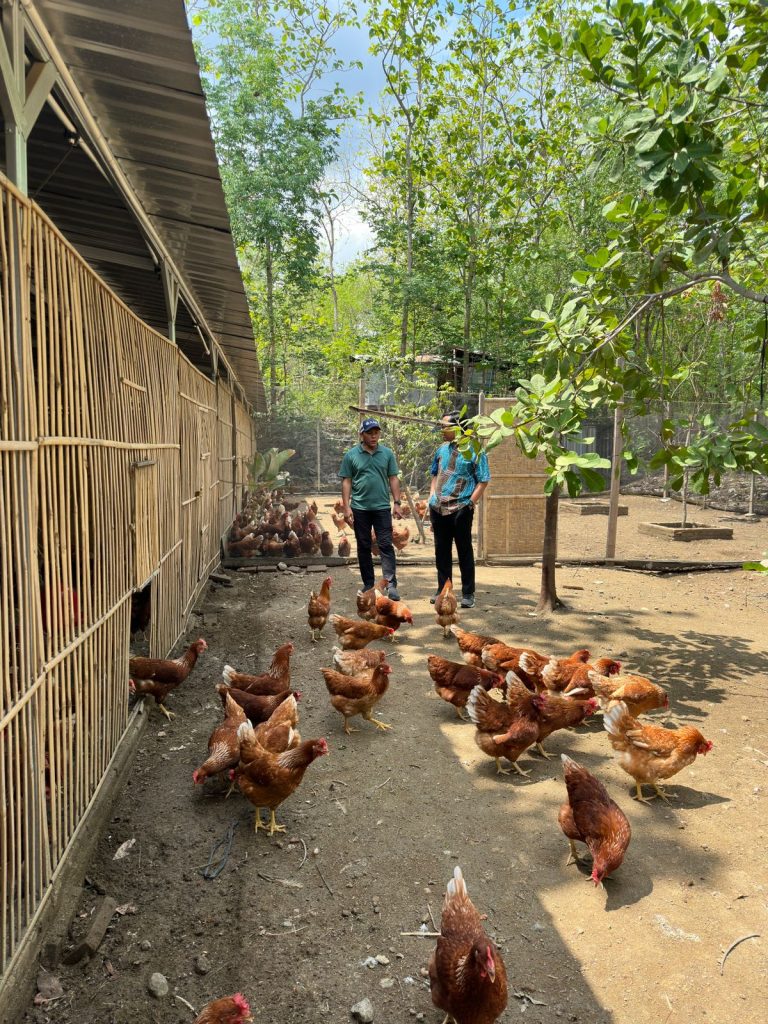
[[481, 517], [613, 505]]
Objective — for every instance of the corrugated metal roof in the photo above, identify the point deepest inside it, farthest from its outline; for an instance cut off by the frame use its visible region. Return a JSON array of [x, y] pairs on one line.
[[134, 65]]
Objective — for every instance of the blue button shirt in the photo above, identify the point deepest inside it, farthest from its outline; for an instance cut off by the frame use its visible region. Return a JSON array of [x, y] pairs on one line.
[[457, 477]]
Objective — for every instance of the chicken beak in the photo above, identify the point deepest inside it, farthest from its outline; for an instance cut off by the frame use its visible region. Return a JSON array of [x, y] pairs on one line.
[[492, 971]]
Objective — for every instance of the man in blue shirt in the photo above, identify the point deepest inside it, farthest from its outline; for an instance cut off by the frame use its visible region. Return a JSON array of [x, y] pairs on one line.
[[457, 486], [369, 474]]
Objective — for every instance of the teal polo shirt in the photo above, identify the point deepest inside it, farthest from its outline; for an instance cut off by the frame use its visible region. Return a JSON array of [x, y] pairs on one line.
[[369, 473]]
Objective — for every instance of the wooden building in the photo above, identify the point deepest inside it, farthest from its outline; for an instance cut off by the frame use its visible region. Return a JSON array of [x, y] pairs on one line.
[[129, 378]]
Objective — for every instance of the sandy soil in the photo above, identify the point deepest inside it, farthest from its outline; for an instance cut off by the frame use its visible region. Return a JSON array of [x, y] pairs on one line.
[[385, 817]]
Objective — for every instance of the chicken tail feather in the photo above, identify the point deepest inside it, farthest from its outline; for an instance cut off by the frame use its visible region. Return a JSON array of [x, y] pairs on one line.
[[457, 886]]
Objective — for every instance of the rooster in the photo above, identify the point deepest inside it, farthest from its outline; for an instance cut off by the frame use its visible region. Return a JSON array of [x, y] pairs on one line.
[[649, 752], [358, 695], [467, 977], [223, 744], [319, 608], [455, 680], [355, 635], [590, 816], [158, 676], [275, 680], [506, 729], [446, 605], [230, 1010], [267, 779]]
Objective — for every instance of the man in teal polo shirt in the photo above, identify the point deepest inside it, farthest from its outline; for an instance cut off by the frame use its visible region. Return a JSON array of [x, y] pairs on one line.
[[368, 476]]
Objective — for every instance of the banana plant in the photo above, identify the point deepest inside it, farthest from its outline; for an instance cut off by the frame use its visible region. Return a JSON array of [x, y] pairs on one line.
[[265, 471]]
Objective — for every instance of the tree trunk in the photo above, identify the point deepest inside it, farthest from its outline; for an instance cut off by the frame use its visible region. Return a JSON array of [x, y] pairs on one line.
[[272, 337], [469, 282], [548, 599], [409, 219]]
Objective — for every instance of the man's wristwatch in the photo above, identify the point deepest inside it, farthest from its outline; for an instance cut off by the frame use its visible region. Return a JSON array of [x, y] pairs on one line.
[[397, 503]]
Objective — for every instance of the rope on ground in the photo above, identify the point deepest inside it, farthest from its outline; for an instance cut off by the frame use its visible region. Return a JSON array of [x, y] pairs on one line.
[[214, 867]]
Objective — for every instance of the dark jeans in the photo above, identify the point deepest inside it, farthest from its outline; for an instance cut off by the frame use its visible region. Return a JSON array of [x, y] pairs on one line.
[[456, 527], [381, 521]]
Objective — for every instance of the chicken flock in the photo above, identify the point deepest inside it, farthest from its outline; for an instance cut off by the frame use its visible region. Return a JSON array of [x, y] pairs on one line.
[[514, 698]]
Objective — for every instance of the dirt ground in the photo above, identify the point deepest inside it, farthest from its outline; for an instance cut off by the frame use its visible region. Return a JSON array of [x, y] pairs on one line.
[[377, 826]]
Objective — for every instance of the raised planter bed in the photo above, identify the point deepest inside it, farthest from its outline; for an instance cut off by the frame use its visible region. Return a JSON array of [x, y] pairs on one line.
[[692, 531], [592, 508]]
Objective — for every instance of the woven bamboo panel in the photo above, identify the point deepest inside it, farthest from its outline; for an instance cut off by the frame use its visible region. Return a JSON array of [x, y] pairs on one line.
[[513, 506], [108, 477], [226, 455]]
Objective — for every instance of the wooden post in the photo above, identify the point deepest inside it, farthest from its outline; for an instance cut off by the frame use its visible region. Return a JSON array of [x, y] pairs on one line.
[[613, 506]]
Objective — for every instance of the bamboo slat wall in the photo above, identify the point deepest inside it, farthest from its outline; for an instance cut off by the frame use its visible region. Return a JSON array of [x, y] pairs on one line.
[[120, 463]]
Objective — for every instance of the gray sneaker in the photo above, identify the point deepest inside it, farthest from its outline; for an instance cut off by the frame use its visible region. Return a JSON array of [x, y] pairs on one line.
[[392, 593], [468, 601], [434, 597]]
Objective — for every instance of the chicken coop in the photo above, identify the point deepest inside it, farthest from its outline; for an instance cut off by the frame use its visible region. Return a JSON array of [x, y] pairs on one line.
[[129, 383]]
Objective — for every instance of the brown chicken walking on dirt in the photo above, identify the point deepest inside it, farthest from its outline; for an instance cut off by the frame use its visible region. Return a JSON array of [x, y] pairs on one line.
[[223, 744], [358, 695], [649, 752], [158, 676], [354, 635], [446, 608], [590, 816], [467, 977], [318, 609]]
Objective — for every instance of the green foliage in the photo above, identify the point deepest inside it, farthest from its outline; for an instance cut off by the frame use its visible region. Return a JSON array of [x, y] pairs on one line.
[[266, 471]]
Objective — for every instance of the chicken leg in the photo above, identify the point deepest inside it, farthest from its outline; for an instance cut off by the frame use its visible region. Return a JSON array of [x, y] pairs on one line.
[[168, 714], [273, 825], [573, 856], [519, 770], [543, 752], [348, 728], [374, 721], [500, 770]]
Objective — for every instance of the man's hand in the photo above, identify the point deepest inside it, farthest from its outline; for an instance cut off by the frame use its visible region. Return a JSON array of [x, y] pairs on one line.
[[397, 512], [349, 518]]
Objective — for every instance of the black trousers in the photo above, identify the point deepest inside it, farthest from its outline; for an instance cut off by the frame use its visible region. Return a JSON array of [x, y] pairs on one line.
[[381, 522], [447, 530]]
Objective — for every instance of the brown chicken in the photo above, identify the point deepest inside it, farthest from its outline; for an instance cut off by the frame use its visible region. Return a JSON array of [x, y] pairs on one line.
[[354, 635], [156, 677], [649, 752], [344, 548], [230, 1010], [357, 695], [467, 977], [506, 729], [366, 604], [223, 744], [280, 729], [338, 521], [267, 779], [318, 609], [400, 535], [392, 613], [562, 713], [257, 708], [446, 608], [357, 663], [326, 544], [551, 674], [471, 645], [638, 693], [591, 817], [276, 679], [579, 684], [292, 545], [455, 680]]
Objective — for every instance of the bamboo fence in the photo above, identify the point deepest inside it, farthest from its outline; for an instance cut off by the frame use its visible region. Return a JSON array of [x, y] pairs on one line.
[[120, 465]]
